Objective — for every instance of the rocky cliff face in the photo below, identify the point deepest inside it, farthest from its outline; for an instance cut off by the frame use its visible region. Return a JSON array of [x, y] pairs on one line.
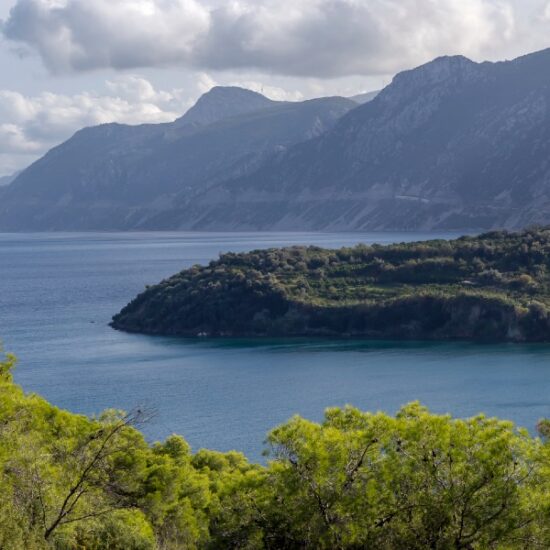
[[450, 145]]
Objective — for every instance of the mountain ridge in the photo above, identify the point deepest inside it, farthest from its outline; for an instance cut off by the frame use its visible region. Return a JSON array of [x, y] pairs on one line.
[[445, 146], [450, 145], [117, 177], [222, 102]]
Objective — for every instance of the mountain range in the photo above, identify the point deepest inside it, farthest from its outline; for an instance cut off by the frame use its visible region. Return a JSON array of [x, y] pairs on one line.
[[452, 144], [117, 177]]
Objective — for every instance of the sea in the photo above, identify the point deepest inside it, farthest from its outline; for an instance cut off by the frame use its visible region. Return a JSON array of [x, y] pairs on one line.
[[58, 292]]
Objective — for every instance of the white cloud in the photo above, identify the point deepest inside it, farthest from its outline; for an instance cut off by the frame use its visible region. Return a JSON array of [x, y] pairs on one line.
[[205, 82], [317, 38], [83, 34], [273, 92], [545, 13], [344, 37], [29, 126], [14, 140]]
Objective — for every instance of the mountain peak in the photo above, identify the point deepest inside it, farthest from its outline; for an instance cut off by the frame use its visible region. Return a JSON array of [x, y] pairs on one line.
[[222, 102], [446, 71], [451, 61], [440, 69]]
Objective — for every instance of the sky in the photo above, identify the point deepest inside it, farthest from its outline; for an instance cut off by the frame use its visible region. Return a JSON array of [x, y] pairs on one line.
[[66, 64]]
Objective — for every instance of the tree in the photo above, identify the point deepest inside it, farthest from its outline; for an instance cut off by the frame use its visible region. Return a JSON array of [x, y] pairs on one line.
[[414, 481]]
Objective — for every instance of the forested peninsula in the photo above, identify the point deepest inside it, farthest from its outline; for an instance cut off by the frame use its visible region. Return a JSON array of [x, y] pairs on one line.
[[491, 287]]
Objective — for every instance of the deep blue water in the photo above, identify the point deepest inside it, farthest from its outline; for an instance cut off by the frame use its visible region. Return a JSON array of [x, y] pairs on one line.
[[58, 292]]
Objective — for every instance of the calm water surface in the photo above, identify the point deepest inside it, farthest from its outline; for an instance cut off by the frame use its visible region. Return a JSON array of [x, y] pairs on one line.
[[58, 292]]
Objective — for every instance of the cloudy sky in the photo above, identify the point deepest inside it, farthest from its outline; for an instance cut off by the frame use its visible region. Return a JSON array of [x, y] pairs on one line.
[[65, 64]]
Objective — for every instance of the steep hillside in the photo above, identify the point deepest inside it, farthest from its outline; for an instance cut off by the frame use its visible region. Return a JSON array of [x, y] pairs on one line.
[[450, 145], [128, 177]]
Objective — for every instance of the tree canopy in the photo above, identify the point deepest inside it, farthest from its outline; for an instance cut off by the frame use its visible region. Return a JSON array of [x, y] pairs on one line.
[[495, 286], [415, 480]]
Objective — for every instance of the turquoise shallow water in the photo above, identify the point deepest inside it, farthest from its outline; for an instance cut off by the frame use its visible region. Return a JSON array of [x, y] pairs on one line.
[[58, 292]]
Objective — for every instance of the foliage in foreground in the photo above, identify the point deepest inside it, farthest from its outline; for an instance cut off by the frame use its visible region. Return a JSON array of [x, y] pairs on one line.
[[357, 480], [495, 286]]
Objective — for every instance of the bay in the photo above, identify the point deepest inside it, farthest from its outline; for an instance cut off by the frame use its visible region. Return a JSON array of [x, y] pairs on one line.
[[58, 292]]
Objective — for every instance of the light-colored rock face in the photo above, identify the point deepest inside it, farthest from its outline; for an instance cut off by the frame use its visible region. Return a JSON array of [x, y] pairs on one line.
[[452, 144]]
